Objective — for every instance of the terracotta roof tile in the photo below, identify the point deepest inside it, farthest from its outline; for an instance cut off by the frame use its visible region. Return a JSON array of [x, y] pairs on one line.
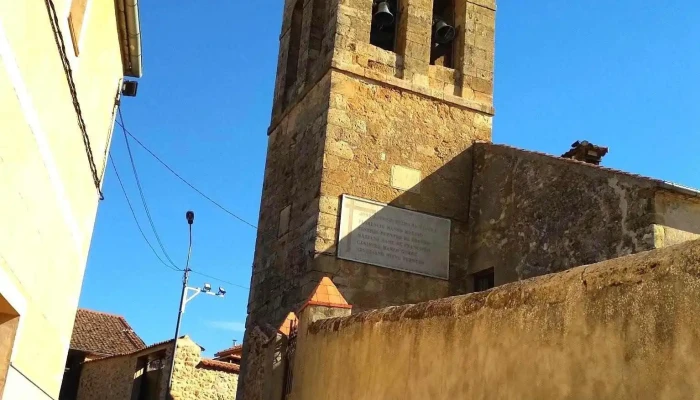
[[326, 294], [289, 322], [235, 350], [567, 160], [104, 334], [140, 351], [219, 366]]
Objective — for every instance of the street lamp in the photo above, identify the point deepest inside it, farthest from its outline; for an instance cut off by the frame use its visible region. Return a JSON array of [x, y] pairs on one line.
[[188, 294]]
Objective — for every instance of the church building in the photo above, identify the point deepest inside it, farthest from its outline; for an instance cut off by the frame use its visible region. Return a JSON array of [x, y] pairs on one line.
[[381, 173]]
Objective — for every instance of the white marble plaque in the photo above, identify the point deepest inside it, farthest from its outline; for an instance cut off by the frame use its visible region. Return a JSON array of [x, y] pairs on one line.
[[391, 237]]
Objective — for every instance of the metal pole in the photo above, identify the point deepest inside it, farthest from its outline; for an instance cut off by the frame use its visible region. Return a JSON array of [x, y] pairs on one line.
[[181, 310]]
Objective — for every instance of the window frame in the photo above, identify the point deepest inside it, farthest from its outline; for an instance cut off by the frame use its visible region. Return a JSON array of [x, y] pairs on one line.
[[77, 18]]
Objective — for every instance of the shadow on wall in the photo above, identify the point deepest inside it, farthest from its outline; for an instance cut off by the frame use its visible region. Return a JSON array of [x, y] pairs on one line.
[[552, 337], [411, 251], [492, 215], [677, 216]]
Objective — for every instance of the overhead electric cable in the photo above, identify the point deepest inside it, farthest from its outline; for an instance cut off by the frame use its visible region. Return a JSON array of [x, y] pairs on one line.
[[133, 214], [58, 37], [143, 197], [219, 279], [183, 179], [155, 253]]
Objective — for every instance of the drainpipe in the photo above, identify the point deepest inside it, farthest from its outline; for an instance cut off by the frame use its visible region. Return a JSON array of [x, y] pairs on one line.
[[129, 10]]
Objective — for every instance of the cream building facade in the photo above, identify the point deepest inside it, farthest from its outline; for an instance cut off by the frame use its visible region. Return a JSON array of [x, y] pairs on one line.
[[62, 69]]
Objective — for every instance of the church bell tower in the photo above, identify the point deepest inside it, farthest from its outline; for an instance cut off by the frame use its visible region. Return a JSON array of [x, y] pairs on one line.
[[368, 171]]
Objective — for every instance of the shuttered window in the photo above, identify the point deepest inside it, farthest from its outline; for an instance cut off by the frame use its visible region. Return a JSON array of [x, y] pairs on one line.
[[75, 21]]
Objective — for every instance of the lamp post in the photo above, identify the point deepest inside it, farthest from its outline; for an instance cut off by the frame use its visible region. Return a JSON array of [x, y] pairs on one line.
[[188, 294]]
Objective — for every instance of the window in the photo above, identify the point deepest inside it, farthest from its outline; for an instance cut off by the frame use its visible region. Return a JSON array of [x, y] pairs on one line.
[[384, 22], [316, 31], [294, 44], [9, 322], [75, 21], [441, 51], [484, 280]]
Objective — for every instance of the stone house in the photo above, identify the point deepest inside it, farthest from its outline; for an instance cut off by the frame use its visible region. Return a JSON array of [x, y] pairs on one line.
[[230, 355], [144, 375], [64, 65], [95, 335], [381, 175]]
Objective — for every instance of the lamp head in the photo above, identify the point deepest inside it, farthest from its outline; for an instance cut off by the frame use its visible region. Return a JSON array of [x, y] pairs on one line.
[[129, 88], [207, 288], [221, 292]]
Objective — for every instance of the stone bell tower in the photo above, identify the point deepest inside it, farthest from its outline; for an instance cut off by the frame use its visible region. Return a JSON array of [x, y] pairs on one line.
[[378, 100]]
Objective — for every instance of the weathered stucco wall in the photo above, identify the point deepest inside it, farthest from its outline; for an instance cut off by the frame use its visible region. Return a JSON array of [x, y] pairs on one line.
[[533, 214], [49, 200], [678, 218], [622, 329]]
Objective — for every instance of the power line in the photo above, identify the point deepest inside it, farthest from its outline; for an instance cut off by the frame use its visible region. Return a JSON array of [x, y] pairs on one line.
[[155, 253], [58, 37], [219, 279], [183, 179], [128, 134], [143, 197], [133, 214]]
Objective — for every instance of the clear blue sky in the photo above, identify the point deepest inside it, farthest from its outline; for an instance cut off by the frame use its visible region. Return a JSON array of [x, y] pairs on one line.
[[624, 74]]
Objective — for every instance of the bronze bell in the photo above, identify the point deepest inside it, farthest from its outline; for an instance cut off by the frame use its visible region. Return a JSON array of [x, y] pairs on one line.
[[443, 32], [383, 16]]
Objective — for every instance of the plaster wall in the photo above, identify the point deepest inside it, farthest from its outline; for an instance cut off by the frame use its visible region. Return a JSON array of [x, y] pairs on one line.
[[620, 329], [49, 200], [677, 218]]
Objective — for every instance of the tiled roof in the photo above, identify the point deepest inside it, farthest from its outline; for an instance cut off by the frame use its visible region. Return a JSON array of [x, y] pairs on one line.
[[659, 182], [219, 365], [326, 294], [289, 323], [103, 334], [235, 350], [142, 350]]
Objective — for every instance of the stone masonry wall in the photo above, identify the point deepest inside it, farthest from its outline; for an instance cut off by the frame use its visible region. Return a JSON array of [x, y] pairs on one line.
[[193, 380], [373, 110], [350, 114], [255, 369], [372, 129], [108, 379], [622, 329], [112, 378], [533, 214], [289, 207]]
